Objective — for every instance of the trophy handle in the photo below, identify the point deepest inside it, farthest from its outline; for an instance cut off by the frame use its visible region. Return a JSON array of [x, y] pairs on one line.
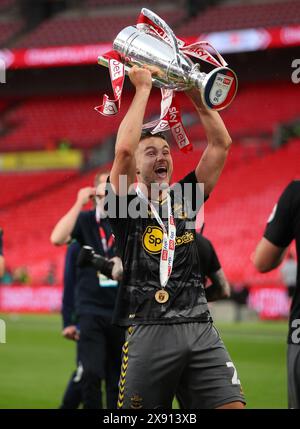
[[161, 23]]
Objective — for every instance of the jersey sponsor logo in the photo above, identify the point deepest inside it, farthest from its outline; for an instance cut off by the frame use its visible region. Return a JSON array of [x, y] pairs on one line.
[[187, 237], [153, 237]]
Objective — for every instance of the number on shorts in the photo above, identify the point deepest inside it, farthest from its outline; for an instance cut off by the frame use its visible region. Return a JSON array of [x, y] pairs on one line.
[[234, 379], [296, 332]]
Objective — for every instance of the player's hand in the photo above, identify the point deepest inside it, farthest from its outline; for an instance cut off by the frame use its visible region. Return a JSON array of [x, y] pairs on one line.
[[71, 333], [141, 77], [85, 194], [117, 271]]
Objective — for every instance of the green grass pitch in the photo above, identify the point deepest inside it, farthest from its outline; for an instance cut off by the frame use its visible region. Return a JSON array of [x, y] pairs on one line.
[[36, 362]]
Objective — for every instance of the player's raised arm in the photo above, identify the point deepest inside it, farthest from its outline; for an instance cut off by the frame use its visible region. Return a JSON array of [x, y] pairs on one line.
[[213, 159], [130, 129]]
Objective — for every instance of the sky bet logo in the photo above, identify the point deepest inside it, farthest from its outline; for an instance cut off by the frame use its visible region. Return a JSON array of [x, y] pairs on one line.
[[296, 72]]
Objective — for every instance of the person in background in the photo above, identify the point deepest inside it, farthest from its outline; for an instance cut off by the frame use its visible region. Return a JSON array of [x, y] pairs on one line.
[[100, 343], [72, 397], [212, 272], [282, 228]]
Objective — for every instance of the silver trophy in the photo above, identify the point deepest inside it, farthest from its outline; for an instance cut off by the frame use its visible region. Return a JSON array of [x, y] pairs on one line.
[[136, 45]]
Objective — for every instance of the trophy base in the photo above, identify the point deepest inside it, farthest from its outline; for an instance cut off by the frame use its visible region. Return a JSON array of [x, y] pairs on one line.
[[219, 88]]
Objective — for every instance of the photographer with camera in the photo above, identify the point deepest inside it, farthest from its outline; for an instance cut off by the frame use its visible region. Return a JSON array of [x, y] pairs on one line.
[[100, 343]]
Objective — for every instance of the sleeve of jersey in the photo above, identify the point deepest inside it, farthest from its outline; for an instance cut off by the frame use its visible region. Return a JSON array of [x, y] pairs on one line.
[[279, 229], [192, 191]]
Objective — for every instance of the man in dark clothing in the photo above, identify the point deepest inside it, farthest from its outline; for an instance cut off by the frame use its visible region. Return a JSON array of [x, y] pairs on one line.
[[172, 345], [211, 270], [100, 343], [282, 228], [73, 394]]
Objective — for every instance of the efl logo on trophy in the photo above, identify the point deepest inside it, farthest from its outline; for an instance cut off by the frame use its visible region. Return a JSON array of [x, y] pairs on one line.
[[152, 42]]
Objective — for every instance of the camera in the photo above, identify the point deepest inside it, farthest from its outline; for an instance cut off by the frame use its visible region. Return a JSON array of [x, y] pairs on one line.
[[88, 257]]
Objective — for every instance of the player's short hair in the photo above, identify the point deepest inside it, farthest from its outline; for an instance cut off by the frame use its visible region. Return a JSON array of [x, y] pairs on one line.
[[147, 133]]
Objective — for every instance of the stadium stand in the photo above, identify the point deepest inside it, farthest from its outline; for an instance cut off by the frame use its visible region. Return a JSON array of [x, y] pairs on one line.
[[238, 16], [237, 211], [35, 123], [27, 235], [20, 187], [80, 30], [8, 29], [252, 115], [40, 122], [235, 214], [6, 5], [122, 3], [251, 182]]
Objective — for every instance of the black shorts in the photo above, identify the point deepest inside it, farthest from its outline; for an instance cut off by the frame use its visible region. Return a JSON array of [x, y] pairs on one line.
[[188, 360]]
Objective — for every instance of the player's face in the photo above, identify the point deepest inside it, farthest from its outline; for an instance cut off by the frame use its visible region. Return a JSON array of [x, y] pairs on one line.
[[154, 163]]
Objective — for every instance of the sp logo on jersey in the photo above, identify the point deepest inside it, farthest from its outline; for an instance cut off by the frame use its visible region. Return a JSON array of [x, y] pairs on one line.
[[152, 239]]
